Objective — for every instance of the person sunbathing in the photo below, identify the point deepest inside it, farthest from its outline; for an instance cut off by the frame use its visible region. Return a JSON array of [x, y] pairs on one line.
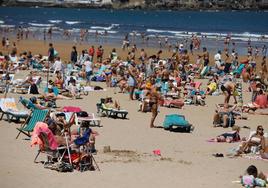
[[58, 123], [59, 80], [37, 104], [108, 103], [52, 92], [72, 88], [224, 116], [84, 135], [232, 136], [211, 87], [257, 140], [261, 102]]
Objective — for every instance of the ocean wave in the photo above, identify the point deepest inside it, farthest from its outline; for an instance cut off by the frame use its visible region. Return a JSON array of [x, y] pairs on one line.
[[41, 25], [55, 21], [2, 22], [7, 26], [77, 30], [167, 31], [41, 29], [104, 28], [72, 22]]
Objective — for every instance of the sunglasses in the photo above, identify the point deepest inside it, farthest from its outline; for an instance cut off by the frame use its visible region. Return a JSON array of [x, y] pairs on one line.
[[261, 129]]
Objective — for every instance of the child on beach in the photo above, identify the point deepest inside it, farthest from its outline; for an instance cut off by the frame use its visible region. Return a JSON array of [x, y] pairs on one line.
[[252, 178]]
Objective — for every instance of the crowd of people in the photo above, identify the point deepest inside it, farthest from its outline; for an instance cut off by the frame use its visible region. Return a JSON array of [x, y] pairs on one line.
[[152, 80]]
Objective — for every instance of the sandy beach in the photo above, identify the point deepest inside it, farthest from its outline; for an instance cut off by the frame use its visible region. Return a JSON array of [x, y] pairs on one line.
[[64, 49], [186, 159]]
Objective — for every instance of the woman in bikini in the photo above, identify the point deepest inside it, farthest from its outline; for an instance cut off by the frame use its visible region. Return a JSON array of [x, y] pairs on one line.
[[59, 80], [154, 100], [257, 140]]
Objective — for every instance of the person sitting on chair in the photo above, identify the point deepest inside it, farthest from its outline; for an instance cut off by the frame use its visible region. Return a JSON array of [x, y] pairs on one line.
[[110, 104]]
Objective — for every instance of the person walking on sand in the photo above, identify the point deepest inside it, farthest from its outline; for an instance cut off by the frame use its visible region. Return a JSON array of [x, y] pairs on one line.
[[89, 70], [74, 55]]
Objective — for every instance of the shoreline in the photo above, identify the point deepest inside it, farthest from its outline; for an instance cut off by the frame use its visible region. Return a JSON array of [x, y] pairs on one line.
[[139, 6]]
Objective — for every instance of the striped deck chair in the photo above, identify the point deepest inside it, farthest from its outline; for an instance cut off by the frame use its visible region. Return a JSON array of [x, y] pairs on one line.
[[36, 116], [28, 104]]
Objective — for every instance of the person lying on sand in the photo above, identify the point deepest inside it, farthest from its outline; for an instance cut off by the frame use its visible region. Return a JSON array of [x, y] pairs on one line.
[[52, 92], [232, 136]]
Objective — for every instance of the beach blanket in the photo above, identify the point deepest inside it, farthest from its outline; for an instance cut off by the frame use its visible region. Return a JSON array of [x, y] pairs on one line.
[[254, 157], [213, 140], [89, 89], [71, 109]]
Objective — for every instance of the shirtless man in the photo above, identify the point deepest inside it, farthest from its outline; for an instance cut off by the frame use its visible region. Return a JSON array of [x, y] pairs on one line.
[[205, 56]]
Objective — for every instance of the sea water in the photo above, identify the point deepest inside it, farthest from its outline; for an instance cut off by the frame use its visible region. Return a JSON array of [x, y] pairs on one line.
[[211, 26]]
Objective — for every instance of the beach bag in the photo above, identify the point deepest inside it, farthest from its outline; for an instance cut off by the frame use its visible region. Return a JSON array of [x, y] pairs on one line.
[[82, 114], [86, 163], [100, 79], [33, 89], [55, 53], [64, 167], [98, 88]]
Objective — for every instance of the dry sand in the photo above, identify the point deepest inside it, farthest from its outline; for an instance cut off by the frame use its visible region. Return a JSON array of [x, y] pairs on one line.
[[186, 160]]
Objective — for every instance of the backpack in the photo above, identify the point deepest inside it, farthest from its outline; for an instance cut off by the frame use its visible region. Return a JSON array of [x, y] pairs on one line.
[[64, 167], [82, 114]]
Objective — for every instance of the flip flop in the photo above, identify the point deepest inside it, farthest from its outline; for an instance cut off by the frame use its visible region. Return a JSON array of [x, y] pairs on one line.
[[218, 155]]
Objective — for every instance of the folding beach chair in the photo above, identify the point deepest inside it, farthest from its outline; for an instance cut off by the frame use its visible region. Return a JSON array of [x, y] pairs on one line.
[[91, 119], [4, 85], [113, 113], [52, 153], [9, 108], [36, 116], [118, 113], [110, 112], [28, 104]]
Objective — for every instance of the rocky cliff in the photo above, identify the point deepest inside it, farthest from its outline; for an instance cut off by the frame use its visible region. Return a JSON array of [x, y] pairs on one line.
[[147, 4]]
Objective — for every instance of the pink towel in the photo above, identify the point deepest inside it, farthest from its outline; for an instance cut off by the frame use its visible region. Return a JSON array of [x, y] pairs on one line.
[[71, 109], [42, 127], [157, 152]]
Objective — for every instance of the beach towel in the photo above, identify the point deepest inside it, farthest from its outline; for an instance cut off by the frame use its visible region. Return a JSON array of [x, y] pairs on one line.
[[71, 109], [254, 157], [175, 120], [42, 127]]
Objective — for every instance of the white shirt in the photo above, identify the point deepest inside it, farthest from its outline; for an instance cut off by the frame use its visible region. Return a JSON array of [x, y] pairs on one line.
[[88, 65], [57, 66], [217, 57]]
